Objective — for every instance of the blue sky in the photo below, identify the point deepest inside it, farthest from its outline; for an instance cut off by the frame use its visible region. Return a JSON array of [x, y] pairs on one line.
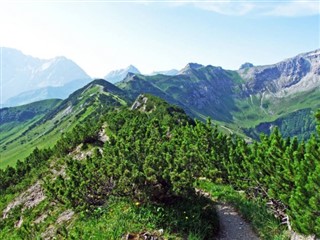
[[102, 36]]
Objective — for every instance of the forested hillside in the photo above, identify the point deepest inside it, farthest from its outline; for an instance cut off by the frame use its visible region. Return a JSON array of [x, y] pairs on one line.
[[131, 171]]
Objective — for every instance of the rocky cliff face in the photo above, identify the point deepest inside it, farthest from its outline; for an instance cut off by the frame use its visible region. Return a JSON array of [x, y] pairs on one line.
[[298, 74]]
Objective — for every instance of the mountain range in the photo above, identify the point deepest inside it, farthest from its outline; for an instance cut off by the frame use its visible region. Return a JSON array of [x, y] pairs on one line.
[[248, 101], [119, 162], [90, 160], [27, 79], [116, 76]]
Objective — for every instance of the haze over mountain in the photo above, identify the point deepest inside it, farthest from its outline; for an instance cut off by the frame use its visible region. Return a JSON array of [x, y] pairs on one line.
[[49, 92], [171, 72], [118, 75], [22, 73]]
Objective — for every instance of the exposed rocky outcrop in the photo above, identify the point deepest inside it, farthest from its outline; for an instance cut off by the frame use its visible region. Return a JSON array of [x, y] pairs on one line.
[[63, 218], [28, 199], [301, 73], [140, 103]]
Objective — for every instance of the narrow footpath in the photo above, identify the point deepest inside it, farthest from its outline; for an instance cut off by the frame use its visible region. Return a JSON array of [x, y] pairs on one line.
[[233, 226]]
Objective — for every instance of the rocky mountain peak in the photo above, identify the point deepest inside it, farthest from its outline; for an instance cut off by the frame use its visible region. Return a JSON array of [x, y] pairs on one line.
[[290, 76], [246, 65], [140, 103], [132, 69], [120, 74], [190, 67]]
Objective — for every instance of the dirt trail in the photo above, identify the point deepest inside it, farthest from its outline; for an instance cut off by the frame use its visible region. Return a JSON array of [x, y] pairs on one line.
[[232, 226]]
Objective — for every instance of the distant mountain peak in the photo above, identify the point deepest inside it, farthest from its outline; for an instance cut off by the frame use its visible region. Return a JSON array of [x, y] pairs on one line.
[[171, 72], [246, 65], [291, 76], [120, 74], [132, 69], [189, 67], [194, 65], [23, 73]]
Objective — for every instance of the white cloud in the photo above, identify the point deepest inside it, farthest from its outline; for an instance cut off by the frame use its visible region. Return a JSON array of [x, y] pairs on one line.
[[286, 8], [226, 7], [296, 8]]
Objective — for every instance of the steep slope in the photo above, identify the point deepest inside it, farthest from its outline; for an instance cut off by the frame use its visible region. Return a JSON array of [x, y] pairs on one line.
[[136, 84], [288, 77], [22, 73], [118, 75], [201, 91], [207, 91], [274, 93], [242, 99], [45, 131], [13, 120]]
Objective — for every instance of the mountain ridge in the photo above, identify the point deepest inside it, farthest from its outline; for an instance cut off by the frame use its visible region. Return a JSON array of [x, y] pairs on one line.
[[44, 130], [243, 98]]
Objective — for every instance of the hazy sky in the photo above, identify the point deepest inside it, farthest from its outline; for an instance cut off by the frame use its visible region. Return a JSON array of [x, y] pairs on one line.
[[159, 35]]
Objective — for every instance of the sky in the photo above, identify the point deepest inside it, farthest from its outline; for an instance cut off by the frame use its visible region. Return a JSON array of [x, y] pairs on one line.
[[101, 36]]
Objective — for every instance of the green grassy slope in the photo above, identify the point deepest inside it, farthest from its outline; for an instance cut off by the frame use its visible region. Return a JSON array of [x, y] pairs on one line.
[[44, 130], [16, 117], [14, 122]]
